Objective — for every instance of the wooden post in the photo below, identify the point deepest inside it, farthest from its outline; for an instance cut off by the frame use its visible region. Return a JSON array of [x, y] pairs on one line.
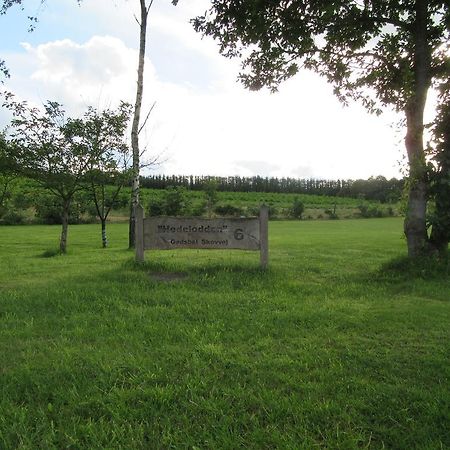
[[264, 235], [139, 233]]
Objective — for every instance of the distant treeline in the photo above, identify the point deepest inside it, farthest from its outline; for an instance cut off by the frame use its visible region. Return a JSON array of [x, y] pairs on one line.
[[375, 188]]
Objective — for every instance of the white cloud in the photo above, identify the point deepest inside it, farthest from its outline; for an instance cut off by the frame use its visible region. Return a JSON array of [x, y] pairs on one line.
[[205, 122]]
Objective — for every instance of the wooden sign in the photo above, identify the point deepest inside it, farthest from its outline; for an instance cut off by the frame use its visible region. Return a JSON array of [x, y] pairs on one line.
[[166, 233]]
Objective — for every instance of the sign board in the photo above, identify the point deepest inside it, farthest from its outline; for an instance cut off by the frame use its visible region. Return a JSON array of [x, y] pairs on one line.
[[166, 233]]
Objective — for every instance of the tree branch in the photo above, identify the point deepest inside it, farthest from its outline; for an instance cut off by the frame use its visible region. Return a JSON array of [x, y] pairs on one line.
[[146, 118]]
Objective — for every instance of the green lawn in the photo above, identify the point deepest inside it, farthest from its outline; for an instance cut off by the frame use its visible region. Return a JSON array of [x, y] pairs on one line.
[[324, 350]]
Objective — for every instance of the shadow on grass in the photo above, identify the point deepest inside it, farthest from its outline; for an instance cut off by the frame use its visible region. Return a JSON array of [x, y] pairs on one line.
[[203, 274], [209, 267], [427, 268], [50, 253]]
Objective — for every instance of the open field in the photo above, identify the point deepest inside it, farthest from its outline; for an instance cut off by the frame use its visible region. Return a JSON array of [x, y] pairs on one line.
[[324, 350]]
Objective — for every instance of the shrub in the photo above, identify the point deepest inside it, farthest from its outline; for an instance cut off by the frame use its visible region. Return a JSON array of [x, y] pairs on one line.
[[228, 210], [13, 217], [156, 207], [200, 208], [331, 214], [48, 210], [210, 189], [369, 212], [297, 209], [175, 201], [273, 211]]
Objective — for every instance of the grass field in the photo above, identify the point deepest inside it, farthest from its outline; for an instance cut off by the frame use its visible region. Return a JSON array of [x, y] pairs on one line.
[[324, 350]]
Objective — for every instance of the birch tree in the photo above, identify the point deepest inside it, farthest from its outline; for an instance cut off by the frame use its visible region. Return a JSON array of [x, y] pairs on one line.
[[136, 127]]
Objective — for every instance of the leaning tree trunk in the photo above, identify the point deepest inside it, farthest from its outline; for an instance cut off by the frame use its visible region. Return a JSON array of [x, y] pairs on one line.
[[415, 222], [136, 122], [65, 227]]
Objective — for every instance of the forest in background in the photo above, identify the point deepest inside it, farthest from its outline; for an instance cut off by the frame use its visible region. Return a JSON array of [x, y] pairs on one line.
[[375, 188], [23, 201]]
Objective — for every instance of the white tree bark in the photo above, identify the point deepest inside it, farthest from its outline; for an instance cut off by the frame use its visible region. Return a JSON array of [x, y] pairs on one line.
[[136, 120]]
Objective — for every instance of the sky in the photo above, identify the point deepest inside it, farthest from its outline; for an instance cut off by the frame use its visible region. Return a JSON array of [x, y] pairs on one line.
[[204, 122]]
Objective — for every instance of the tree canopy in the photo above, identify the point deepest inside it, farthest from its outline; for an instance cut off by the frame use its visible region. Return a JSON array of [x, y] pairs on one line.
[[382, 53], [59, 152], [367, 49]]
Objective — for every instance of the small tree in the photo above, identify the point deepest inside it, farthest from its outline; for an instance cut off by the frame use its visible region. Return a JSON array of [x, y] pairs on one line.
[[175, 201], [103, 134], [44, 149], [297, 208], [210, 190]]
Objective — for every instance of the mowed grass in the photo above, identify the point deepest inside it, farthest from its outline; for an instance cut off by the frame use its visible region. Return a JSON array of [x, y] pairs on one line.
[[323, 350]]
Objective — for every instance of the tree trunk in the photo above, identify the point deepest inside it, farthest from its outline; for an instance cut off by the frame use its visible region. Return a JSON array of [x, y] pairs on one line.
[[104, 239], [136, 122], [415, 227], [440, 232], [65, 226]]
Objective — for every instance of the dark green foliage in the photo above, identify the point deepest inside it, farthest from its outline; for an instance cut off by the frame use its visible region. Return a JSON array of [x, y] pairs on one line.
[[228, 210], [48, 210], [3, 70], [374, 188], [8, 174], [12, 217], [273, 210], [297, 208], [173, 201], [156, 207], [27, 195], [210, 190], [201, 208], [440, 174], [176, 202], [368, 211]]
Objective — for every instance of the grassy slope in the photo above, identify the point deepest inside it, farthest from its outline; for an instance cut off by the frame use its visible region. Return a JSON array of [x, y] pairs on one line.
[[315, 205], [322, 350]]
